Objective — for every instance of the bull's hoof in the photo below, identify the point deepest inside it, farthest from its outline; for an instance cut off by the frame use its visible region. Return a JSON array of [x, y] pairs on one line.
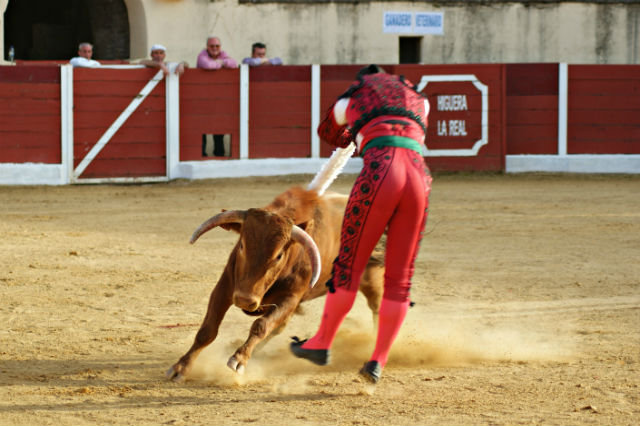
[[174, 375], [235, 365]]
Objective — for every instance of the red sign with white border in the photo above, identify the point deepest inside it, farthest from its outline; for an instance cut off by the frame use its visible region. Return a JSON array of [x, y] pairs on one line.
[[459, 115]]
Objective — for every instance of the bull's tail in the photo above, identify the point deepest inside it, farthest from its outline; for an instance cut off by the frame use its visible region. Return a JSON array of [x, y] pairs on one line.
[[331, 169]]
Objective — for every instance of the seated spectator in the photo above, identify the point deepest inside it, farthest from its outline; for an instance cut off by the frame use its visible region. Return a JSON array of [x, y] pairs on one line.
[[158, 53], [214, 58], [85, 51], [259, 56]]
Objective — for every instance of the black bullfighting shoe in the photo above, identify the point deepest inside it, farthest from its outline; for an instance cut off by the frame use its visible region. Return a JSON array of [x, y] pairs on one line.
[[317, 356], [371, 371]]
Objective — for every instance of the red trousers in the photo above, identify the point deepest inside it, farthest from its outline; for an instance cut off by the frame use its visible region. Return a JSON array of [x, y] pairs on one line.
[[391, 193]]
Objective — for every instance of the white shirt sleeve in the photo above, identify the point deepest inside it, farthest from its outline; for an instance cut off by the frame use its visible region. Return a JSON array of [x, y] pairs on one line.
[[340, 111], [79, 61]]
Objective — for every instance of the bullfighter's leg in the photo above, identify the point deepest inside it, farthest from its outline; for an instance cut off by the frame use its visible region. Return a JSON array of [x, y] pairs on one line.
[[219, 304], [403, 239], [262, 329], [370, 206]]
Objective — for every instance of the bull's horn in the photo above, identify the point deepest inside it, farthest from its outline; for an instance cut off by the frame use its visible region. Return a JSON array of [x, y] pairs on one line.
[[230, 216], [299, 235]]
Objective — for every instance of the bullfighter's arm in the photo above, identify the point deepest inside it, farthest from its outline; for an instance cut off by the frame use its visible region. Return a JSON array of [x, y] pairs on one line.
[[333, 127]]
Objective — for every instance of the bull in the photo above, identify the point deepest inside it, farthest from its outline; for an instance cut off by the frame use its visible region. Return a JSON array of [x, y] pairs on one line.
[[282, 250]]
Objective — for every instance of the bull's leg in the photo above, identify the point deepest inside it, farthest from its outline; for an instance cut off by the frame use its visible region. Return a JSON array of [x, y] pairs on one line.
[[219, 303], [262, 329], [372, 287], [276, 331]]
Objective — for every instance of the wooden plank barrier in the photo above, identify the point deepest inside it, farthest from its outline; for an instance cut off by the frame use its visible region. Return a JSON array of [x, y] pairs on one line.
[[138, 147], [30, 115], [280, 112], [137, 125], [532, 108], [604, 109], [209, 104]]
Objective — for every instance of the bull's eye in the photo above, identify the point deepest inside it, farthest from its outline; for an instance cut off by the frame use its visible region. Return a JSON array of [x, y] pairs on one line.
[[279, 256]]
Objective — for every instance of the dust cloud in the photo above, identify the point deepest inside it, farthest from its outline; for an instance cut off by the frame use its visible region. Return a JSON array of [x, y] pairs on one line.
[[455, 336], [435, 339]]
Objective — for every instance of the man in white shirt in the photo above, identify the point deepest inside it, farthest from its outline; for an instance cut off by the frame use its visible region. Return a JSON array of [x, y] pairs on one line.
[[158, 54], [85, 51]]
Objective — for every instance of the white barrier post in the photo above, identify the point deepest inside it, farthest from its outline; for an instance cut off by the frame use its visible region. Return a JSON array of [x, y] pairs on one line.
[[315, 110], [563, 94], [172, 121], [66, 122], [244, 111]]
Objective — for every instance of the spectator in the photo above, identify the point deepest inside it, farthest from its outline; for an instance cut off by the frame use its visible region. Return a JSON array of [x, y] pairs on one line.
[[158, 53], [214, 58], [259, 56], [85, 51]]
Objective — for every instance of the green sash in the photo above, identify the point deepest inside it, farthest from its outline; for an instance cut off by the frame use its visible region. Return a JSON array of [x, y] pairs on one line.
[[399, 141]]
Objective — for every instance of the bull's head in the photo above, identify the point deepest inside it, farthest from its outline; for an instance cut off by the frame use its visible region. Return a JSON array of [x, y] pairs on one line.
[[263, 251]]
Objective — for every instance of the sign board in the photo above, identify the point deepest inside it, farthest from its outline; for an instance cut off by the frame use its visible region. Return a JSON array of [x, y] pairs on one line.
[[428, 23], [459, 114], [413, 23]]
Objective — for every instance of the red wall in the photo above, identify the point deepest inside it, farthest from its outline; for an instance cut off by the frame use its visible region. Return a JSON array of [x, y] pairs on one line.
[[138, 148], [604, 109], [532, 108], [280, 112], [603, 115], [30, 115], [209, 104]]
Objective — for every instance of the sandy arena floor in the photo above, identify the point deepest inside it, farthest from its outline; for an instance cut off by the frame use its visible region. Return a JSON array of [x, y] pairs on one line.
[[527, 311]]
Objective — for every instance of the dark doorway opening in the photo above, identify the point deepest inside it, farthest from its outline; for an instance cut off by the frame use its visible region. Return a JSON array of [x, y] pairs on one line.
[[52, 30], [410, 50]]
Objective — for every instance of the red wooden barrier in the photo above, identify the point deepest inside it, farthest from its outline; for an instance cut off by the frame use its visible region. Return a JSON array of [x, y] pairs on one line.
[[280, 112], [522, 107], [532, 108], [209, 104], [30, 115], [604, 109], [138, 148]]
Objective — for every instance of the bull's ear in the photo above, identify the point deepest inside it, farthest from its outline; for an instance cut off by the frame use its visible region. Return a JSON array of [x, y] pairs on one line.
[[235, 227], [304, 225]]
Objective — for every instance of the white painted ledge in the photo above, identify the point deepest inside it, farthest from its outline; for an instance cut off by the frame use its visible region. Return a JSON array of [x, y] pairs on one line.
[[573, 163], [57, 174], [33, 174], [259, 167]]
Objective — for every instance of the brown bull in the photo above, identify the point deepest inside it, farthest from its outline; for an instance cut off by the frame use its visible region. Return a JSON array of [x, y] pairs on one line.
[[273, 266]]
